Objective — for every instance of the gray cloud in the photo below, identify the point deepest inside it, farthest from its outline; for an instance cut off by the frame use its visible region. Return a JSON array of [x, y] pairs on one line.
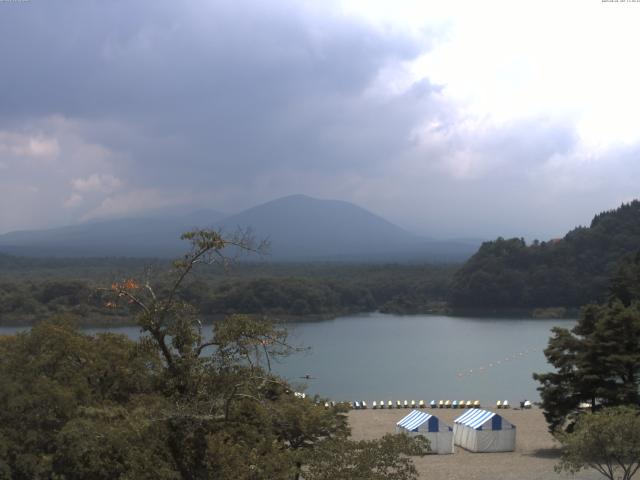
[[228, 103]]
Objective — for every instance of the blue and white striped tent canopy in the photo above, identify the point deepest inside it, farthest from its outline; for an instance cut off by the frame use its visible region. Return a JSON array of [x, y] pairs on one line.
[[417, 418], [421, 423], [483, 431], [476, 419]]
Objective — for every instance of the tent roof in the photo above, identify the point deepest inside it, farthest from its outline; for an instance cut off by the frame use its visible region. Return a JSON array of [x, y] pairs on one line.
[[414, 420], [475, 418]]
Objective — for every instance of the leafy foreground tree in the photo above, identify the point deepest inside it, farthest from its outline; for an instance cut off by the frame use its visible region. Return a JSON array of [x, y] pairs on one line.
[[598, 361], [607, 441], [367, 459], [177, 404]]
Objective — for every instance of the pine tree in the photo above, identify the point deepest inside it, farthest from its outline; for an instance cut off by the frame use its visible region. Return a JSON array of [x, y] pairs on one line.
[[598, 361]]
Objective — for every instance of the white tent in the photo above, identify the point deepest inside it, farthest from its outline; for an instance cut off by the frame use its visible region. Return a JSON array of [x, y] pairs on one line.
[[439, 435], [483, 431]]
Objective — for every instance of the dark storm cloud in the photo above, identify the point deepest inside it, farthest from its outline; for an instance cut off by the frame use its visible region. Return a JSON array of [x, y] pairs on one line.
[[203, 65], [112, 108], [237, 86]]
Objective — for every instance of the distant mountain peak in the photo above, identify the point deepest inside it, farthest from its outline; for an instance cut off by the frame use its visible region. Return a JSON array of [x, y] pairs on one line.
[[303, 227], [299, 228]]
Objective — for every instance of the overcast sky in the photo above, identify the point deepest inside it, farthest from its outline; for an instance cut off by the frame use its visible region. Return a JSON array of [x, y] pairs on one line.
[[451, 119]]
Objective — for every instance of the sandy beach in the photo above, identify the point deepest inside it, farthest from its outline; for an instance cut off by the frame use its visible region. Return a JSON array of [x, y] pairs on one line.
[[534, 458]]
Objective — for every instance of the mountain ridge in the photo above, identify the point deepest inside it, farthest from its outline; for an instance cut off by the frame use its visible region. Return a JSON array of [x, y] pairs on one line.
[[299, 227]]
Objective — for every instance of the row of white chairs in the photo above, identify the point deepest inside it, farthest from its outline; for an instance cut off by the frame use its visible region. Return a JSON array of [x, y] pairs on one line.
[[361, 405], [455, 404]]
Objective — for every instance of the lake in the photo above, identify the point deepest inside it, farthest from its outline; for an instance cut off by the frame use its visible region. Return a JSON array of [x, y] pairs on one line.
[[389, 357], [382, 357]]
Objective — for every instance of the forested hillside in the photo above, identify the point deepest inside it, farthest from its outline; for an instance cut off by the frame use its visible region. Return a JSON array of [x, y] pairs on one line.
[[572, 271]]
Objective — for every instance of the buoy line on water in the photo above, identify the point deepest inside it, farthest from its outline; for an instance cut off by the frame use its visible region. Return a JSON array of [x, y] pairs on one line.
[[482, 368]]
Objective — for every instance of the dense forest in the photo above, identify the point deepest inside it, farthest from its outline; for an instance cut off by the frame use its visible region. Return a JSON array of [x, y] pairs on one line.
[[568, 272], [33, 289]]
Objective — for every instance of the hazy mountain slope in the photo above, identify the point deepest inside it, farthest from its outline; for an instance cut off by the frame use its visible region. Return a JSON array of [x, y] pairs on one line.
[[133, 237], [303, 227], [570, 271], [299, 228]]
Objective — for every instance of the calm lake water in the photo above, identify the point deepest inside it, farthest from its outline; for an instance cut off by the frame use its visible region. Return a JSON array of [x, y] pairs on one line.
[[390, 357]]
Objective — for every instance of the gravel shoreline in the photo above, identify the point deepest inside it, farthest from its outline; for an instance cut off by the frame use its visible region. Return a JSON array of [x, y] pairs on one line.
[[534, 458]]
